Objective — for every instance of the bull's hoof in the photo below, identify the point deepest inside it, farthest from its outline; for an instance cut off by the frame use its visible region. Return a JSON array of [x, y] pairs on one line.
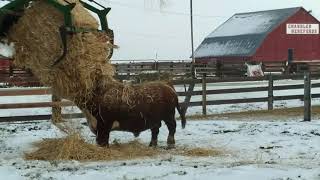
[[102, 143], [171, 140], [136, 134], [153, 144], [171, 146]]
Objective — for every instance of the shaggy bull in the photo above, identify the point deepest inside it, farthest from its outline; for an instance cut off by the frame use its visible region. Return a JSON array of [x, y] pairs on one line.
[[146, 106]]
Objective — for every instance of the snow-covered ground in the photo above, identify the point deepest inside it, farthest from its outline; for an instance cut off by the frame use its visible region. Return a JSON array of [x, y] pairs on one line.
[[252, 150], [283, 149]]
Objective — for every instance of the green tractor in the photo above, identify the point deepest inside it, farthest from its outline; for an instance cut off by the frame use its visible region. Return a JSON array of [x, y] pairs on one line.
[[11, 12]]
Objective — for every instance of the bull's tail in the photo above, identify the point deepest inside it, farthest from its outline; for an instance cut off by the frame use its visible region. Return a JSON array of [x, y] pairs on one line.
[[179, 108], [182, 114]]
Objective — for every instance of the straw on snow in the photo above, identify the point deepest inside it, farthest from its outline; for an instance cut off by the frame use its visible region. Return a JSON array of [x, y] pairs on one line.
[[74, 147]]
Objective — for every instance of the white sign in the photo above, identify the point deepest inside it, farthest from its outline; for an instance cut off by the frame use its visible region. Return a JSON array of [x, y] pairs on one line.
[[302, 28], [254, 70]]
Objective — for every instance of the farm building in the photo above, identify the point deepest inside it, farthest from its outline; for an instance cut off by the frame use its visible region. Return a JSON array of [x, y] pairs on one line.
[[4, 62], [279, 37]]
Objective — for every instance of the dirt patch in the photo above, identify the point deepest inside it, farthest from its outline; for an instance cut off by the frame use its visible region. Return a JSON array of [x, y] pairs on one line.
[[198, 152], [296, 112], [73, 147]]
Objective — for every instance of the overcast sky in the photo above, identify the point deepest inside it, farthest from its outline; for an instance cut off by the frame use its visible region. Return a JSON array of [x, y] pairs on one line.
[[143, 30], [149, 29]]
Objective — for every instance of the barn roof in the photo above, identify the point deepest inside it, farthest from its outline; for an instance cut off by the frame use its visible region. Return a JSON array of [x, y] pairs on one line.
[[3, 57], [243, 33]]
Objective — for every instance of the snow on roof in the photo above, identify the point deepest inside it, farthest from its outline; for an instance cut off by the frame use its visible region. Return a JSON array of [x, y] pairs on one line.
[[231, 46], [243, 33]]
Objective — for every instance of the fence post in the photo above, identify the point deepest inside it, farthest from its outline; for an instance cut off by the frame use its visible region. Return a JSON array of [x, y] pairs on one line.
[[10, 70], [204, 94], [270, 93], [307, 97], [155, 66], [188, 97], [128, 70], [56, 109]]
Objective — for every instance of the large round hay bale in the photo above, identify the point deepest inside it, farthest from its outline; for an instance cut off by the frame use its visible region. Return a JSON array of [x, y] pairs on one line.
[[38, 44]]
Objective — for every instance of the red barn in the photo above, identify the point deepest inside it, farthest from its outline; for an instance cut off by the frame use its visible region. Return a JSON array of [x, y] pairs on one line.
[[4, 62], [264, 36]]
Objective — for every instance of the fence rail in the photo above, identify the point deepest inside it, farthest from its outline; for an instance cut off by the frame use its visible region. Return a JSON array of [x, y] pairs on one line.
[[204, 92], [10, 76]]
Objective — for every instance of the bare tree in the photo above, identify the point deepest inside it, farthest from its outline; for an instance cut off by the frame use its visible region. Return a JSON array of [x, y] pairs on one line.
[[161, 4]]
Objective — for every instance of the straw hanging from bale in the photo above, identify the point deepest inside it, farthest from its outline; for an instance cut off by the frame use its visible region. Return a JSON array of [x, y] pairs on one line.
[[38, 45]]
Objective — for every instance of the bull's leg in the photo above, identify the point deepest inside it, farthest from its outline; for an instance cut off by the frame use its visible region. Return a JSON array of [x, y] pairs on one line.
[[154, 135], [136, 134], [171, 125], [103, 131]]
